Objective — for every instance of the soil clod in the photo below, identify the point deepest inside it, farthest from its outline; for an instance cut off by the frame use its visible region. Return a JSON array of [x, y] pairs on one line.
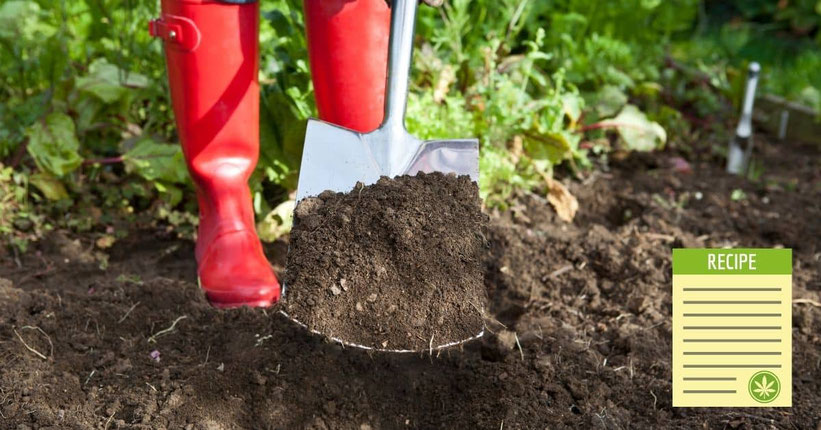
[[406, 252]]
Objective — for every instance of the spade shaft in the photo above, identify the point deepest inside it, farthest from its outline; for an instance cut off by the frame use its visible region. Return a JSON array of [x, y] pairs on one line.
[[400, 53]]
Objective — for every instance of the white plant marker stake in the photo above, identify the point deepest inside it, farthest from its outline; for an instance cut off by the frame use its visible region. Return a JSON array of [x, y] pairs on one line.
[[782, 125], [737, 158]]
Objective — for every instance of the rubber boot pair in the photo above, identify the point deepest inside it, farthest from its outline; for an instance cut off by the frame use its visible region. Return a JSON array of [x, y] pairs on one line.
[[212, 57]]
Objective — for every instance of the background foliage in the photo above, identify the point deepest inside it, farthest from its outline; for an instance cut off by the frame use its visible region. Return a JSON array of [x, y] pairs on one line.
[[87, 137]]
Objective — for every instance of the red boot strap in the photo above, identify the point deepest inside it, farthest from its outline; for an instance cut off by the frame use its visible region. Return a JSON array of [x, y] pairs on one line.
[[179, 31]]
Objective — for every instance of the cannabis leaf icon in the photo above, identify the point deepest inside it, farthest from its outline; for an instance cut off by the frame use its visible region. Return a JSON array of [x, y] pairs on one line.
[[764, 386]]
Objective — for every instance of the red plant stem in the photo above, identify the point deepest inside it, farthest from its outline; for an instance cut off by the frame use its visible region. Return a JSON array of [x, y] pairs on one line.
[[108, 160], [18, 154], [606, 124]]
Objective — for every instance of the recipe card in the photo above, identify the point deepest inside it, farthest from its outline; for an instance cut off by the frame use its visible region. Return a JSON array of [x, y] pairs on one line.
[[732, 321]]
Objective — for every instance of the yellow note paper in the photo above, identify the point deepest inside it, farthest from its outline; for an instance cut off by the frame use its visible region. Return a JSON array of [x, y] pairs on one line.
[[732, 327]]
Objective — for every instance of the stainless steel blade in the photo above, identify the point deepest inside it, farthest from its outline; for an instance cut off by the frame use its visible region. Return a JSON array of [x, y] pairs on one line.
[[336, 158]]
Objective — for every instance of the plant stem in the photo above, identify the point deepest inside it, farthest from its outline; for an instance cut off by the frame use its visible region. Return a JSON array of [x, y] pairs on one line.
[[107, 160], [607, 124]]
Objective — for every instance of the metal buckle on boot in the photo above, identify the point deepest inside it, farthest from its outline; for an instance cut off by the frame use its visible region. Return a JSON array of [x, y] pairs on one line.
[[180, 31]]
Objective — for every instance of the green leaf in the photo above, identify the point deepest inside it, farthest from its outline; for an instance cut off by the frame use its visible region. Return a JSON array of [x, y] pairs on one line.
[[21, 19], [277, 222], [547, 149], [108, 82], [53, 144], [50, 186], [647, 89], [572, 106], [638, 132], [498, 175], [737, 195], [156, 162], [650, 4], [282, 134], [170, 194], [609, 100]]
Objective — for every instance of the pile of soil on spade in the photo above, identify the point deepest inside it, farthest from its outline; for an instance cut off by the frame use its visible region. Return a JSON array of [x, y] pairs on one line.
[[588, 301], [394, 265]]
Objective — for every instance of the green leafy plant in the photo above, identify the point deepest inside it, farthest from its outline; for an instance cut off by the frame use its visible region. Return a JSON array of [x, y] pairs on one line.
[[86, 125], [783, 37], [528, 93]]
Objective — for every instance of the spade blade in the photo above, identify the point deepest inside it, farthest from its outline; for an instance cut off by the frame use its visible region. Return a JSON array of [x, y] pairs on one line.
[[336, 158]]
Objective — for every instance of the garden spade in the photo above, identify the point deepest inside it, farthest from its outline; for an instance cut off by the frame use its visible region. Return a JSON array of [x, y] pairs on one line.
[[335, 158]]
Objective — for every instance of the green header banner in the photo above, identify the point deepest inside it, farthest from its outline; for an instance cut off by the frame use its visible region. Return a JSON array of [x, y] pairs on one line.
[[750, 261]]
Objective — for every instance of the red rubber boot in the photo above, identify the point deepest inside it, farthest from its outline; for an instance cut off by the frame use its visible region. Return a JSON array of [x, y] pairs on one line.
[[212, 54], [348, 53]]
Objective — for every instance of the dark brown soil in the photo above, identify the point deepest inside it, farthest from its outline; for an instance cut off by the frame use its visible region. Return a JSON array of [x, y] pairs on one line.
[[588, 302], [396, 265]]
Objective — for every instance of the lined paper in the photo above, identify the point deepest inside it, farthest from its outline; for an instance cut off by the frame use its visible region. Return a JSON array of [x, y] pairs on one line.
[[731, 328]]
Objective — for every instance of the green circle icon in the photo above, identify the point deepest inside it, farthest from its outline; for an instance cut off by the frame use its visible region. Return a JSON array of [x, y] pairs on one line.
[[764, 386]]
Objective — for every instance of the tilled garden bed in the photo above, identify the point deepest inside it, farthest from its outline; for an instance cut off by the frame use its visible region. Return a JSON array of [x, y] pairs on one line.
[[580, 334]]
